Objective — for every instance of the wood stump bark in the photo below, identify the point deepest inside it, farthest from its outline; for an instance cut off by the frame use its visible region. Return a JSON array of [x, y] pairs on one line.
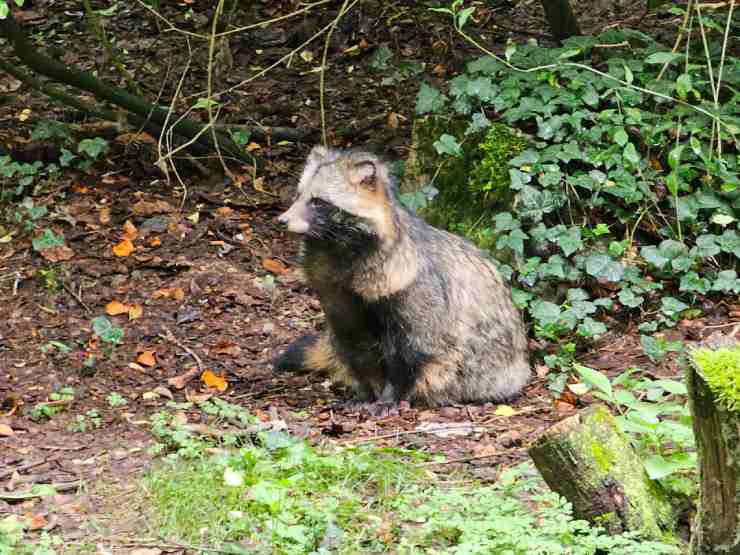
[[590, 462]]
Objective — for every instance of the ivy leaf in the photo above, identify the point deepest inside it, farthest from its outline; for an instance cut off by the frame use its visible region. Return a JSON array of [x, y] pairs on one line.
[[663, 58], [429, 100], [447, 144], [603, 267], [478, 122], [591, 328], [513, 240], [105, 330], [47, 240], [628, 298], [672, 249], [545, 312], [521, 298], [730, 242], [620, 137], [570, 241], [670, 306], [506, 222], [577, 294], [591, 97], [518, 179], [630, 154], [691, 282], [726, 281], [706, 245]]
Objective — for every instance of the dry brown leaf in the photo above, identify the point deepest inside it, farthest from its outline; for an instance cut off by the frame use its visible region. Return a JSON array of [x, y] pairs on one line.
[[80, 188], [224, 211], [393, 120], [6, 431], [155, 242], [178, 294], [35, 522], [274, 266], [114, 308], [178, 382], [213, 380], [195, 397], [143, 137], [163, 392], [147, 358], [57, 254], [145, 208], [104, 215], [135, 312], [252, 146], [227, 348], [124, 248], [129, 230]]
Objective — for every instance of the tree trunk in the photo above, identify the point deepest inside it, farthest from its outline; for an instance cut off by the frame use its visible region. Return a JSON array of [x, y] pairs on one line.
[[716, 413], [560, 19], [142, 109], [587, 460]]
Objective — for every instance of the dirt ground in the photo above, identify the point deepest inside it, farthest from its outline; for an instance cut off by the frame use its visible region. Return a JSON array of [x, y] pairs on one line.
[[213, 277]]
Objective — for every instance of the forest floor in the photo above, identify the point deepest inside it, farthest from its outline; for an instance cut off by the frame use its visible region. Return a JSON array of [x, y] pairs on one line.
[[212, 282]]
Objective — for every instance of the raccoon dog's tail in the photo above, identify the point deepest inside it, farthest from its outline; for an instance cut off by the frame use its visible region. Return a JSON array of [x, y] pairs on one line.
[[310, 353]]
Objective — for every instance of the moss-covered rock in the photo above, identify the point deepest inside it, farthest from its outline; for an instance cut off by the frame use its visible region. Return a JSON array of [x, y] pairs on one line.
[[721, 370], [472, 187]]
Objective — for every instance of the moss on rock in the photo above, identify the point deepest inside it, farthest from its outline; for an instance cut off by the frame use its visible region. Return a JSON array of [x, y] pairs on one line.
[[721, 370]]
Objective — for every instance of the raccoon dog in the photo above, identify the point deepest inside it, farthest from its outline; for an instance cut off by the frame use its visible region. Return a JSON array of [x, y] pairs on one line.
[[412, 312]]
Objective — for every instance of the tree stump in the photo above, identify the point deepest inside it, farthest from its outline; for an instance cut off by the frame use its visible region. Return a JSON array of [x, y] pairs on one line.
[[590, 462], [713, 379]]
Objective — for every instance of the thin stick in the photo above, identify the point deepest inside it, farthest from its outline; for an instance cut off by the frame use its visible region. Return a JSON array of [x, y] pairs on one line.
[[75, 296], [167, 335]]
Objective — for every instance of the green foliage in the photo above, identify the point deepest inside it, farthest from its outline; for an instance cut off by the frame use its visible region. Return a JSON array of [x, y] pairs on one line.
[[58, 401], [656, 417], [277, 494], [116, 400], [721, 370], [620, 194], [106, 330], [86, 422], [13, 540]]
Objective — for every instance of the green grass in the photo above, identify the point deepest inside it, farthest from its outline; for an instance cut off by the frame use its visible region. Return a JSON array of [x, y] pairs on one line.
[[278, 494]]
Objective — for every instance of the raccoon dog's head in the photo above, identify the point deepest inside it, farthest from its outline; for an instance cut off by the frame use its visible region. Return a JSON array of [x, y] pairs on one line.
[[342, 197]]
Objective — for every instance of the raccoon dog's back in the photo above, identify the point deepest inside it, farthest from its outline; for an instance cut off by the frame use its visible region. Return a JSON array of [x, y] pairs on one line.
[[412, 312]]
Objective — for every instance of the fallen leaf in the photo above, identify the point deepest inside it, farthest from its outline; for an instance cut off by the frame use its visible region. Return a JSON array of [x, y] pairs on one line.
[[124, 248], [561, 407], [143, 137], [25, 114], [213, 380], [179, 382], [80, 188], [227, 348], [504, 410], [224, 211], [6, 431], [147, 358], [114, 308], [176, 293], [57, 254], [194, 397], [155, 242], [146, 208], [104, 215], [251, 147], [135, 311], [274, 266], [35, 522], [149, 396], [129, 230], [164, 392], [393, 120]]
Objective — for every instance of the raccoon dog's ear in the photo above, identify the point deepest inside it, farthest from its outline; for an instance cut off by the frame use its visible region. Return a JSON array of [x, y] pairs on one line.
[[364, 174]]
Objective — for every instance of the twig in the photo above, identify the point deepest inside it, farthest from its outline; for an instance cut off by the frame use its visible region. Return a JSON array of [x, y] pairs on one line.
[[169, 546], [27, 466], [75, 296], [167, 335], [460, 460]]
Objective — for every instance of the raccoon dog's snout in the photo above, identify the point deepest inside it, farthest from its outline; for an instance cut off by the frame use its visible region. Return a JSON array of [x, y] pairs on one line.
[[296, 218]]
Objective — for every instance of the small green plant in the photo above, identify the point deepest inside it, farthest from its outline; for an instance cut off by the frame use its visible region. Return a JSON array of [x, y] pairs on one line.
[[49, 279], [14, 541], [116, 400], [107, 331], [86, 422], [656, 416], [58, 401], [279, 494]]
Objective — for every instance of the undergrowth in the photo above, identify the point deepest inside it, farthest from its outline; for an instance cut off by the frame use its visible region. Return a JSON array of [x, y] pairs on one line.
[[277, 494]]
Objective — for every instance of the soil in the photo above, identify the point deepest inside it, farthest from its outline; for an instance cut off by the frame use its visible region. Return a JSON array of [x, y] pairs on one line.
[[213, 278]]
